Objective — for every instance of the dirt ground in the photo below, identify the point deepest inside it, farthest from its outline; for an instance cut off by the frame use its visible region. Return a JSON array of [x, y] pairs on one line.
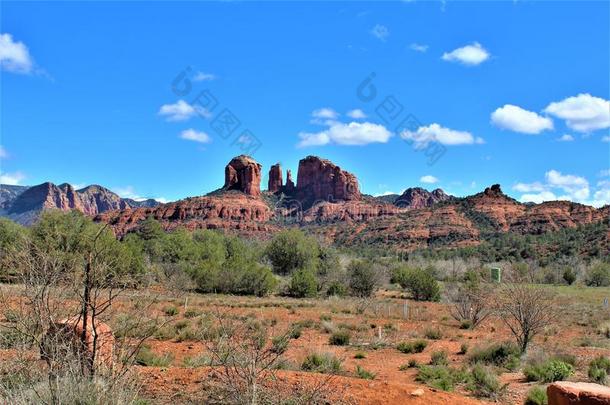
[[376, 327]]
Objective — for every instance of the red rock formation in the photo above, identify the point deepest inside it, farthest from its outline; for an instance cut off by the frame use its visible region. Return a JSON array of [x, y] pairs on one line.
[[289, 183], [98, 343], [275, 179], [418, 197], [244, 174], [245, 214], [570, 393], [321, 180]]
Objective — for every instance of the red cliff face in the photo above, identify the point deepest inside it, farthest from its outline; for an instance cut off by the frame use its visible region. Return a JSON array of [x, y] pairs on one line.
[[244, 174], [418, 197], [321, 180], [276, 182], [289, 183]]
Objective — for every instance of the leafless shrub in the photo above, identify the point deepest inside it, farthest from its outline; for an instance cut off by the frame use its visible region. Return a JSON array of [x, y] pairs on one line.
[[469, 304], [526, 310]]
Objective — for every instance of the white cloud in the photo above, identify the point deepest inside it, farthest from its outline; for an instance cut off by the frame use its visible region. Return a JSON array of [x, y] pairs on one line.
[[197, 136], [201, 76], [565, 138], [12, 179], [582, 113], [517, 119], [576, 186], [606, 138], [129, 192], [380, 32], [418, 47], [471, 55], [181, 111], [325, 113], [14, 56], [356, 114], [436, 133], [529, 187], [428, 179], [354, 133], [384, 193], [539, 197], [3, 153]]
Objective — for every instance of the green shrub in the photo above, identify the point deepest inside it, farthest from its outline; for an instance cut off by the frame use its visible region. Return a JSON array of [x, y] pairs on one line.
[[339, 338], [336, 288], [325, 317], [498, 354], [599, 368], [536, 396], [171, 311], [145, 357], [433, 334], [416, 346], [441, 377], [321, 363], [548, 371], [463, 348], [192, 313], [359, 356], [569, 276], [484, 383], [439, 358], [363, 279], [291, 250], [303, 284], [598, 275], [419, 282], [364, 374]]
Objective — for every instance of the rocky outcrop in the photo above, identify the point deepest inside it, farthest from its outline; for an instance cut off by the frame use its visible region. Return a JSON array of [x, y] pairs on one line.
[[321, 180], [289, 182], [25, 204], [235, 211], [276, 182], [418, 197], [243, 174], [571, 393]]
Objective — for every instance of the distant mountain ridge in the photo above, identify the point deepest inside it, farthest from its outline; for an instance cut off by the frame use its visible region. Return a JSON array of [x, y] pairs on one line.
[[23, 204]]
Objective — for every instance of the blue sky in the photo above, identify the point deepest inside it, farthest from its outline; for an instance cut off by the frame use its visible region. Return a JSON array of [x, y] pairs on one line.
[[514, 93]]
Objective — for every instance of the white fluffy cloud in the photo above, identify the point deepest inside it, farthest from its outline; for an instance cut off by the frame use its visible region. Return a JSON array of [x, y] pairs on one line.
[[196, 136], [12, 179], [515, 118], [559, 186], [129, 192], [418, 47], [325, 113], [354, 133], [565, 138], [436, 133], [202, 76], [429, 179], [380, 32], [181, 111], [471, 55], [14, 56], [582, 113], [356, 114]]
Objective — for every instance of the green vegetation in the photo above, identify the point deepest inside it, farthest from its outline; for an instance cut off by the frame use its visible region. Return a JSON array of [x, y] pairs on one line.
[[504, 355], [599, 368], [548, 371], [339, 338], [363, 278], [536, 396], [322, 363], [364, 374], [418, 282], [416, 346], [145, 357]]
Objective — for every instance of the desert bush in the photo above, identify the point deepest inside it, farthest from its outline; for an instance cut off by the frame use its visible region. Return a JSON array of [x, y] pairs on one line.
[[598, 275], [364, 374], [339, 338], [433, 334], [536, 396], [441, 377], [498, 354], [484, 383], [359, 356], [548, 371], [469, 304], [569, 275], [146, 357], [525, 310], [419, 282], [599, 368], [292, 250], [303, 284], [463, 348], [363, 278], [416, 346], [322, 363], [336, 288], [439, 358]]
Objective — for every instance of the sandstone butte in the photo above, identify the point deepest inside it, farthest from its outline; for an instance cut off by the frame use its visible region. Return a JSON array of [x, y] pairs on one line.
[[329, 199]]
